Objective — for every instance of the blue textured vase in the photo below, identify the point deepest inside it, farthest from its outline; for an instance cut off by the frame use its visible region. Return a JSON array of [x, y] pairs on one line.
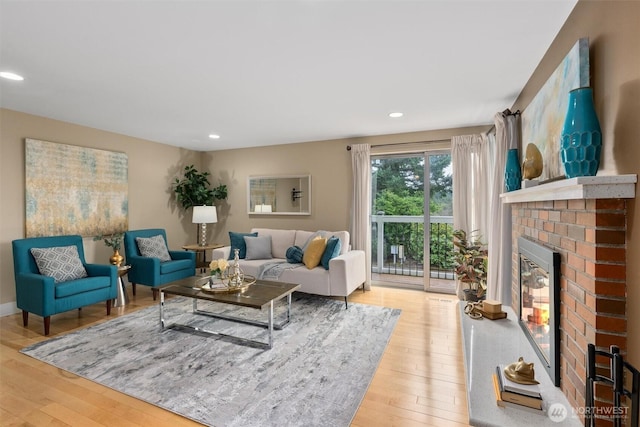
[[581, 141], [512, 172]]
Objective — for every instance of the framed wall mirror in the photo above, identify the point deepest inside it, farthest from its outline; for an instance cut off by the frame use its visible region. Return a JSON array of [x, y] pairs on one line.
[[279, 195]]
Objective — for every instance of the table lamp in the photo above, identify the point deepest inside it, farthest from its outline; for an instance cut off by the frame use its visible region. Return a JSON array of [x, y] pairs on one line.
[[204, 215]]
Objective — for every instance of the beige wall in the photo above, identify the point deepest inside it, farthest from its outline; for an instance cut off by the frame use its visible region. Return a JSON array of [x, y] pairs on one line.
[[613, 29], [152, 168]]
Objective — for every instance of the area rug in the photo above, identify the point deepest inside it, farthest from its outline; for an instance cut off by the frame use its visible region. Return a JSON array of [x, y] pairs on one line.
[[315, 375]]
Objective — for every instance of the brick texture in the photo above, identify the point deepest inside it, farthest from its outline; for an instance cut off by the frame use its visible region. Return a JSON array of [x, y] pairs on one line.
[[590, 236]]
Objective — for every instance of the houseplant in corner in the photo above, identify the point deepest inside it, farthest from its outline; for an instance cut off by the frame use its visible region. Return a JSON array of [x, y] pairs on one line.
[[471, 264], [194, 189]]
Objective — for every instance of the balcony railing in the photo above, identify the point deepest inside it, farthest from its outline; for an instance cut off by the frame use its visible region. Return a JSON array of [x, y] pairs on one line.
[[398, 244]]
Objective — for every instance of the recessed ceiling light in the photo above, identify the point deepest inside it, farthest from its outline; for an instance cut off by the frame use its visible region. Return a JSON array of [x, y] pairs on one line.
[[214, 136], [10, 76], [396, 115]]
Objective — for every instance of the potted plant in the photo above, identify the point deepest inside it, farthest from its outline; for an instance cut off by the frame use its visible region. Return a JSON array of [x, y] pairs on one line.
[[194, 189], [113, 241], [471, 264]]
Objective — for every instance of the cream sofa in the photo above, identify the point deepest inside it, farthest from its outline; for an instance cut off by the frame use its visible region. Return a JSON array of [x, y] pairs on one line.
[[346, 272]]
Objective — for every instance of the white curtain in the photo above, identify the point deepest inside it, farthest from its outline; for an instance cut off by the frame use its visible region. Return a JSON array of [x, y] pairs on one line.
[[360, 214], [499, 234], [472, 164]]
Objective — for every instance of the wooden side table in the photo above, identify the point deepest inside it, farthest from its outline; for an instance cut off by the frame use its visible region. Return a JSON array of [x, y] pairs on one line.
[[203, 263]]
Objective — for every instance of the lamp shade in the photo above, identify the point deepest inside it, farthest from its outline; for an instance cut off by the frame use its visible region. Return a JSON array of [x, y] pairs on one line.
[[204, 215]]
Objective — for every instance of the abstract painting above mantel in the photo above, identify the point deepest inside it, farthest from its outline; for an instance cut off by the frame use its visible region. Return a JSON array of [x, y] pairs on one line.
[[74, 190], [543, 119]]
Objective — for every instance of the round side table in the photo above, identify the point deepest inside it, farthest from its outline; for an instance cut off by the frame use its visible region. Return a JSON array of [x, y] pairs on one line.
[[122, 298]]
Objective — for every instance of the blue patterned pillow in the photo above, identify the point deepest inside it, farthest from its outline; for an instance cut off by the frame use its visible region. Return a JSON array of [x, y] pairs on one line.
[[237, 242], [153, 247], [332, 250], [62, 263], [294, 255]]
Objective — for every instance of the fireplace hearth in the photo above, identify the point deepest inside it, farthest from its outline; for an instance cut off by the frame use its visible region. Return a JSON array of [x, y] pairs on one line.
[[539, 313]]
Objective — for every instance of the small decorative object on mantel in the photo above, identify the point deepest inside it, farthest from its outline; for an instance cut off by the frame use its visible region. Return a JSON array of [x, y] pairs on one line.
[[512, 173], [521, 372], [113, 241], [581, 141], [492, 309], [532, 166]]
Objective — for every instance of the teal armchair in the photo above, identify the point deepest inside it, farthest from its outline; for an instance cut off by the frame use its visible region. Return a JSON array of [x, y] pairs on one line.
[[150, 270], [45, 295]]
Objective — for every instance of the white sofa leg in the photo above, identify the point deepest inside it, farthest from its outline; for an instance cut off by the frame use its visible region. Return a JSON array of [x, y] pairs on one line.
[[346, 304]]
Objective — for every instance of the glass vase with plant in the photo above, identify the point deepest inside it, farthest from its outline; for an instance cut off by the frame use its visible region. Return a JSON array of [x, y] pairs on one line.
[[218, 267]]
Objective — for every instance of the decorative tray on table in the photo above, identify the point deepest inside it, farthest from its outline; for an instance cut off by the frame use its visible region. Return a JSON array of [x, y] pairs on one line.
[[218, 286]]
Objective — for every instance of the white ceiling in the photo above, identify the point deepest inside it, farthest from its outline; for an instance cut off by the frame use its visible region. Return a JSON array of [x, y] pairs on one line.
[[271, 72]]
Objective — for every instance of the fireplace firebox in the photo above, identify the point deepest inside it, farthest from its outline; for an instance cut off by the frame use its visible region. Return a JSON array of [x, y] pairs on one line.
[[539, 314]]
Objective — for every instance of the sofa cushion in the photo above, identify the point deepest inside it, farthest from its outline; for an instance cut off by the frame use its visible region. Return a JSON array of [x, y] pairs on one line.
[[281, 240], [331, 251], [60, 262], [258, 247], [294, 255], [153, 247], [313, 254], [237, 242]]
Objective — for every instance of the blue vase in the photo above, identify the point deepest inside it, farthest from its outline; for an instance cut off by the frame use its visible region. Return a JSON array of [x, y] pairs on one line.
[[512, 172], [581, 141]]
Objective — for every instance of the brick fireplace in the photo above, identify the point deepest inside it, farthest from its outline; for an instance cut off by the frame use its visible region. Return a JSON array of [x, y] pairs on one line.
[[588, 229]]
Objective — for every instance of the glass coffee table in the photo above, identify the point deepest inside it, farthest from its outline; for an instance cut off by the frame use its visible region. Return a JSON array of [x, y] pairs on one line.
[[260, 295]]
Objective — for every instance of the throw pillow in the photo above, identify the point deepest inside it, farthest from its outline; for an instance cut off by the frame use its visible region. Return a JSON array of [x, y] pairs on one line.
[[320, 233], [331, 251], [237, 242], [313, 253], [258, 247], [153, 247], [62, 263], [294, 255]]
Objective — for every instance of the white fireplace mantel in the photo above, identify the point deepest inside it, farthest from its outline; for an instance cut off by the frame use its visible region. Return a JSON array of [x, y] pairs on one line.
[[584, 187]]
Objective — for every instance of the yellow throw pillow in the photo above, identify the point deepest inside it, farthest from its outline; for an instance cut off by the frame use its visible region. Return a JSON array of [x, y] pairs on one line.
[[313, 254]]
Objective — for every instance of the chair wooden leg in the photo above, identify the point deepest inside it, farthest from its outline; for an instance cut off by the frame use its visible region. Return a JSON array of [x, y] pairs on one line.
[[133, 289], [155, 293], [25, 318], [108, 302], [47, 325]]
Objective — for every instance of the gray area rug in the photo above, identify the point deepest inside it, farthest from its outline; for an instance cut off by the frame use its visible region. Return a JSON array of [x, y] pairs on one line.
[[315, 375]]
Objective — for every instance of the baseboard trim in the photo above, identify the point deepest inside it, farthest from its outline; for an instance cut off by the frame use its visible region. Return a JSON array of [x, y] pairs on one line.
[[8, 309]]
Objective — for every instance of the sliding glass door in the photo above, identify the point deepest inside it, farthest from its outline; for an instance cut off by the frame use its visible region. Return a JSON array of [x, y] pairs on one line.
[[412, 221]]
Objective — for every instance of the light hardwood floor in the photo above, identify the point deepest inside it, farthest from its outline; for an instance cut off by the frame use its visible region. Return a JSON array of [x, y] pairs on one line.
[[419, 382]]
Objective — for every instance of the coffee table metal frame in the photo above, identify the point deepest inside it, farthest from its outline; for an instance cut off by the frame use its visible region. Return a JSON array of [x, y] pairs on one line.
[[261, 295]]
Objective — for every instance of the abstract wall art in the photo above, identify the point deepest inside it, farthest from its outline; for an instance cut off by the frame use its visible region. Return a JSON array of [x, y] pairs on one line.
[[74, 190], [543, 119]]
